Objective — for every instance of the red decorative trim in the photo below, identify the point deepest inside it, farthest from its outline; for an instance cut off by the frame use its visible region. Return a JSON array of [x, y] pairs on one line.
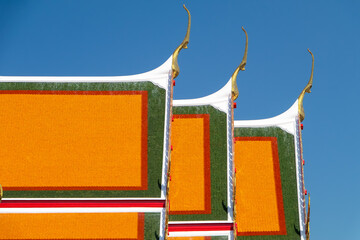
[[207, 173], [81, 203], [141, 226], [279, 195], [200, 227], [144, 138], [144, 141], [207, 166]]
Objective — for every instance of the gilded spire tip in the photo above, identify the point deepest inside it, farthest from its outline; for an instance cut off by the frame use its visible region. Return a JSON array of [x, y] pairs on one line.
[[175, 66], [306, 89], [241, 67]]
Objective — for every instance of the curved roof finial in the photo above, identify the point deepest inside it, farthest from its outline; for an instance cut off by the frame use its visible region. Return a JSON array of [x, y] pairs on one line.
[[306, 89], [234, 88], [175, 66]]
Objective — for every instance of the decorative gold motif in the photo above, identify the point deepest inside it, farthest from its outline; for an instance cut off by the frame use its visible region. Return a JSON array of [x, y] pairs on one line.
[[234, 88], [175, 66], [307, 227], [306, 89]]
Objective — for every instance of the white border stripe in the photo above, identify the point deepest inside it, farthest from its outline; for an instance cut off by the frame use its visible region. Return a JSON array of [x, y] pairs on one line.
[[91, 199], [77, 210], [299, 181], [229, 234], [197, 222]]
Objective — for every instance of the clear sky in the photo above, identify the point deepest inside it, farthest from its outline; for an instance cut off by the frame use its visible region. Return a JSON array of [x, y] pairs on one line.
[[62, 38]]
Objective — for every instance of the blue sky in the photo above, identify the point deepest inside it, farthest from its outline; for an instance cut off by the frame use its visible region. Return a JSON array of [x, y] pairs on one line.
[[84, 38]]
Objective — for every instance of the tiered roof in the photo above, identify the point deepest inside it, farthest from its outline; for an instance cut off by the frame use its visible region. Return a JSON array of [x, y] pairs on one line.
[[117, 158]]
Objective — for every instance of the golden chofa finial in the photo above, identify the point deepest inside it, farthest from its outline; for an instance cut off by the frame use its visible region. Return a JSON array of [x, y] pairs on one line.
[[175, 66], [306, 89], [234, 88]]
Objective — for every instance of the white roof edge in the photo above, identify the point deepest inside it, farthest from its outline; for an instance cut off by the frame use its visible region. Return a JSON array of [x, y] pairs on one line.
[[92, 199], [156, 76], [227, 233], [201, 222], [79, 210], [285, 121], [219, 99]]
